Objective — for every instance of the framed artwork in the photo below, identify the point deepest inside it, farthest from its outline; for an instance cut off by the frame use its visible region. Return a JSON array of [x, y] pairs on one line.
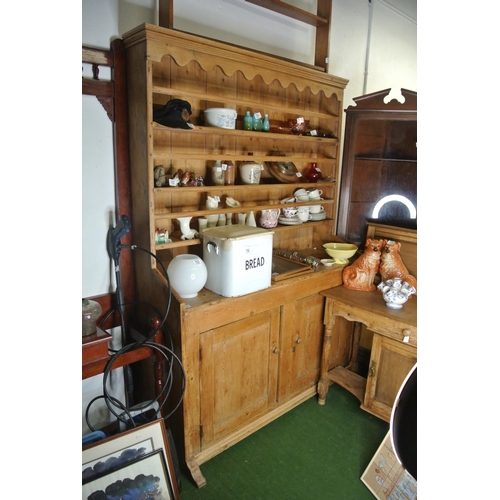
[[143, 478], [386, 478], [114, 453]]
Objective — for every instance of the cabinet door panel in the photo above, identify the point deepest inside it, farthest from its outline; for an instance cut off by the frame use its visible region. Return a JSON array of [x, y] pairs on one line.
[[302, 334], [390, 363], [302, 344], [238, 374]]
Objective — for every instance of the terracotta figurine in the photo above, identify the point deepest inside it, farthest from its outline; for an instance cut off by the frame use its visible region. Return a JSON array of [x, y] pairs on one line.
[[391, 264], [361, 273]]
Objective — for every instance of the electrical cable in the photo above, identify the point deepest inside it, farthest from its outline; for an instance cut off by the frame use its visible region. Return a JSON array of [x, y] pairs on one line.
[[113, 310], [168, 354]]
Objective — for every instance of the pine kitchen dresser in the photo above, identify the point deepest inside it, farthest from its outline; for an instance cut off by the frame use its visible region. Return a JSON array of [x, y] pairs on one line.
[[247, 359]]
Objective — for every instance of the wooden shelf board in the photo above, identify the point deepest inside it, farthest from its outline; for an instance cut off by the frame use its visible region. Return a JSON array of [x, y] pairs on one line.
[[278, 228], [186, 94], [248, 208], [199, 129], [354, 383]]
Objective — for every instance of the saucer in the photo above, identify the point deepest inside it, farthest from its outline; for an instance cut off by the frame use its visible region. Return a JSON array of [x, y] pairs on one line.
[[318, 216], [289, 221]]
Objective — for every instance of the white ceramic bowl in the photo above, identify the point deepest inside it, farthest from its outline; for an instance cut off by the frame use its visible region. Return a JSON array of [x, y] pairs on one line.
[[221, 117], [328, 262], [340, 250]]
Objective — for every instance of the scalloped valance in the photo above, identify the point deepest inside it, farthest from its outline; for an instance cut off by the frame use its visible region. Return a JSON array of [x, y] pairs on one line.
[[184, 48]]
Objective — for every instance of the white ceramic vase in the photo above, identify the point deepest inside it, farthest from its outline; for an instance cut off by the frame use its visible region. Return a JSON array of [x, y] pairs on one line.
[[187, 232], [187, 274], [251, 219]]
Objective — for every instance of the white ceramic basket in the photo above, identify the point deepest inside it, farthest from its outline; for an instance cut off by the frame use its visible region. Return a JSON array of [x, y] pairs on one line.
[[221, 118]]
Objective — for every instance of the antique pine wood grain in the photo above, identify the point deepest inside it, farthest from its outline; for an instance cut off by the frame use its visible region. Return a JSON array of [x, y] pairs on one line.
[[238, 355], [394, 347], [390, 362], [214, 335]]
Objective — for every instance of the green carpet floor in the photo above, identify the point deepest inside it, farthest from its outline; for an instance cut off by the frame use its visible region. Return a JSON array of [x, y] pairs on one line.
[[312, 452]]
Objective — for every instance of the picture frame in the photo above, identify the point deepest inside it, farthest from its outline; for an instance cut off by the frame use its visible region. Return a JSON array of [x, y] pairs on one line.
[[141, 478], [386, 478], [112, 453]]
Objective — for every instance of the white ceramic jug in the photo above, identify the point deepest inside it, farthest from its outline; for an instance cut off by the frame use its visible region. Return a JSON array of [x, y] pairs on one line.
[[269, 218]]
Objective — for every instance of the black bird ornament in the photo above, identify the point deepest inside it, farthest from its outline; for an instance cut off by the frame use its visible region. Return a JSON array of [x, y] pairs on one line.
[[176, 114]]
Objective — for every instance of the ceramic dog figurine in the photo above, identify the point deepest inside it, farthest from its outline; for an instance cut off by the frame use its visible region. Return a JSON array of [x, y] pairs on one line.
[[391, 264], [361, 273]]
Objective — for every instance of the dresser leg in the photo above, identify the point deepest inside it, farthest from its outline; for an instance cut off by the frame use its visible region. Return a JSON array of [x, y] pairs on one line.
[[324, 382], [196, 474]]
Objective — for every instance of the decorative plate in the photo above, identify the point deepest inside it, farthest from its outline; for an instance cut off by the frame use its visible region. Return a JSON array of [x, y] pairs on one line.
[[284, 171]]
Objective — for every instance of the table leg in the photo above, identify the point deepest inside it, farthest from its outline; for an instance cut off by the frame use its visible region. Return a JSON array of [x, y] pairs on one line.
[[324, 383], [353, 363]]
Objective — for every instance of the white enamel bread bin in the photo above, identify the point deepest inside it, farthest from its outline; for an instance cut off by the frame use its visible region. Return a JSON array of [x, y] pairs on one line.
[[238, 259]]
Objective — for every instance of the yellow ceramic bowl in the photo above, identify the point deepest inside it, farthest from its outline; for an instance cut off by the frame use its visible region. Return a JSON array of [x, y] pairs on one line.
[[340, 250]]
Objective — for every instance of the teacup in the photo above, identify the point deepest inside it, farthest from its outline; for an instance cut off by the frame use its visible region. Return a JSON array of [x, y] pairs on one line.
[[303, 198], [315, 209], [300, 192], [303, 214], [290, 212], [314, 194], [269, 218], [288, 200]]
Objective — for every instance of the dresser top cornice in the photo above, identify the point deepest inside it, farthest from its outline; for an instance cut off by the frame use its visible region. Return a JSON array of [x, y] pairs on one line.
[[184, 47]]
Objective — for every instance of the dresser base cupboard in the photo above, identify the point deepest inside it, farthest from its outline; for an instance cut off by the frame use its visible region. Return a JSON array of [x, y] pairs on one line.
[[247, 360]]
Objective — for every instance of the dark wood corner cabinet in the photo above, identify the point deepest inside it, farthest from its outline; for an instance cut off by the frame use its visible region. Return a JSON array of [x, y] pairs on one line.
[[379, 164], [247, 359]]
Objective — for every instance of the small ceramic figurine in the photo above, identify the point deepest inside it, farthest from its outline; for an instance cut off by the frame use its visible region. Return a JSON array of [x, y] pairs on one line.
[[391, 264], [360, 275], [160, 177]]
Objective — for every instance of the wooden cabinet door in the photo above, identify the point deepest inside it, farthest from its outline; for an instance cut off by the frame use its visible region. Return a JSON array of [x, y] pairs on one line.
[[239, 372], [390, 363], [302, 343]]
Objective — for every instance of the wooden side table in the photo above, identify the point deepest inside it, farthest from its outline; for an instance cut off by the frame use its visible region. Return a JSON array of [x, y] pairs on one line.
[[393, 353], [95, 355]]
